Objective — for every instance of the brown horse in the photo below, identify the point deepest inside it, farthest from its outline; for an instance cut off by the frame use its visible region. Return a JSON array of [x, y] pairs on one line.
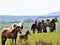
[[11, 34], [25, 36]]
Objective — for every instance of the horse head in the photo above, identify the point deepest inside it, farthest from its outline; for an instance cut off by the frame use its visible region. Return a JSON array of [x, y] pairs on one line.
[[28, 32], [54, 20], [18, 29], [48, 21], [21, 24]]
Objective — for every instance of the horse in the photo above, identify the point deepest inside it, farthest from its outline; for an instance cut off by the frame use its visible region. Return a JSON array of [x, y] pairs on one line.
[[51, 24], [21, 23], [34, 26], [25, 36], [41, 26], [10, 34]]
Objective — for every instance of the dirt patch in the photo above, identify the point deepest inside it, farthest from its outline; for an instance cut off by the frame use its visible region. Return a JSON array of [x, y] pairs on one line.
[[40, 42]]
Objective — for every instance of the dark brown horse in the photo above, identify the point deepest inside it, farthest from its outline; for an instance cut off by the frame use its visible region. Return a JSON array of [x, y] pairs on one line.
[[25, 36], [11, 34], [40, 26], [53, 24]]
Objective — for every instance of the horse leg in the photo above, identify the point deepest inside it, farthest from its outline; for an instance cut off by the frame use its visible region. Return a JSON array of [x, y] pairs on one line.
[[39, 31], [51, 30], [45, 30], [20, 42], [12, 41], [15, 41], [26, 42], [33, 30], [3, 40]]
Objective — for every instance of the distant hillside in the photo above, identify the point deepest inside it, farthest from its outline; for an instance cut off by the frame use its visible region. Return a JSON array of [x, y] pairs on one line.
[[49, 15], [26, 18], [17, 17], [55, 13]]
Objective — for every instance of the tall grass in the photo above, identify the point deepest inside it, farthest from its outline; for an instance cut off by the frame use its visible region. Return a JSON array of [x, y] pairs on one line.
[[53, 38]]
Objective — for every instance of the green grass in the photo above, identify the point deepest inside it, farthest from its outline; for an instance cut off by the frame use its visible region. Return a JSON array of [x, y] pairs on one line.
[[53, 38], [47, 37]]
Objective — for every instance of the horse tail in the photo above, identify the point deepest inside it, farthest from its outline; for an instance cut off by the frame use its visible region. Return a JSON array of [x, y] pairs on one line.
[[3, 38]]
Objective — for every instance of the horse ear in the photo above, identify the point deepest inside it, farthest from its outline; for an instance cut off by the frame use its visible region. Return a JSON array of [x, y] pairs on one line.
[[28, 30], [56, 19], [14, 25]]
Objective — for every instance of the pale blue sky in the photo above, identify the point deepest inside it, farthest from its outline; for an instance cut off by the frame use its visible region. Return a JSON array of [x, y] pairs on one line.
[[28, 7]]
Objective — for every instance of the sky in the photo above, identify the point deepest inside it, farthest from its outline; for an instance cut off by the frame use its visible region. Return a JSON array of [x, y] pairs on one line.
[[28, 7]]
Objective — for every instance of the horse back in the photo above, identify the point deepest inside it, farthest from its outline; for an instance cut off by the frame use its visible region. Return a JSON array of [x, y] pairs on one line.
[[6, 31], [22, 36]]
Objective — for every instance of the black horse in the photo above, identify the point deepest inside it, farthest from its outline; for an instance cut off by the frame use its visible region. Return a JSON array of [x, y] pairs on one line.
[[11, 34], [34, 26]]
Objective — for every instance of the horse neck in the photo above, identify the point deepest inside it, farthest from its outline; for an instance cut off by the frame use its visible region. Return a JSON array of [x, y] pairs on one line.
[[52, 22], [20, 24], [26, 34], [14, 31]]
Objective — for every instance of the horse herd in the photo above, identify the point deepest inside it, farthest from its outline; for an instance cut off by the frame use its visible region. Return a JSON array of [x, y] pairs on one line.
[[42, 26], [12, 31]]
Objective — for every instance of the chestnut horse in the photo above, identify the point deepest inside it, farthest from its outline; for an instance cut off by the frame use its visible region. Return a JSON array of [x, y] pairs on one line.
[[11, 34]]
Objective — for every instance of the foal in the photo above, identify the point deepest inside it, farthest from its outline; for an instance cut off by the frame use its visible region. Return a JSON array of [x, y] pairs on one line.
[[25, 36]]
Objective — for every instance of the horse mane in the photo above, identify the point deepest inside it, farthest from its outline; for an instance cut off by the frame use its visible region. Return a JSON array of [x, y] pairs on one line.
[[13, 30], [26, 33], [18, 24], [53, 20]]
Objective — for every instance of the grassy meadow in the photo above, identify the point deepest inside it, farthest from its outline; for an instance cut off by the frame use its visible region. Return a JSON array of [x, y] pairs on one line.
[[48, 38], [35, 39]]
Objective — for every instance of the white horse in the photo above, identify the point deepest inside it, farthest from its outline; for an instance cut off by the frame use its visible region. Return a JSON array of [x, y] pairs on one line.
[[21, 23]]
